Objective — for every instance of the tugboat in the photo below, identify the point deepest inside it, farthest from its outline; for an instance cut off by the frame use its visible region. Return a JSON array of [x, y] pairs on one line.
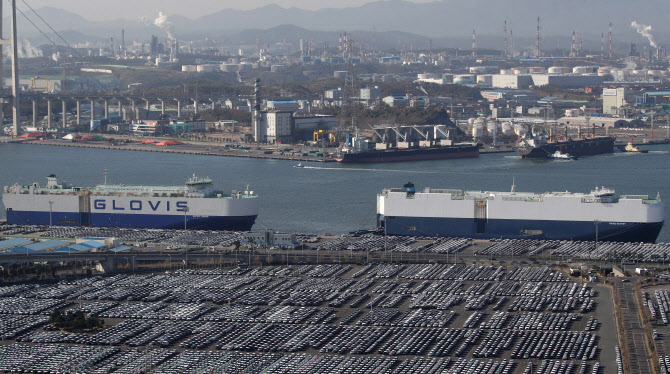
[[630, 148], [558, 155]]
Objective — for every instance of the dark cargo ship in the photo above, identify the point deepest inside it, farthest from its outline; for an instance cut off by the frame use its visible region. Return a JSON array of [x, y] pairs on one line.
[[539, 146], [356, 151]]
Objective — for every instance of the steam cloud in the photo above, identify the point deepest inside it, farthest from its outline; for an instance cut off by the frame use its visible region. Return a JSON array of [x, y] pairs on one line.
[[27, 50], [645, 31], [162, 22]]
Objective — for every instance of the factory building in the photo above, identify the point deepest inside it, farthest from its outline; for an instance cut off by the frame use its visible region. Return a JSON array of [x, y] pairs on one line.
[[270, 237], [284, 105], [567, 80], [335, 94], [370, 93], [511, 81], [521, 81], [278, 126], [519, 96], [396, 100], [613, 100]]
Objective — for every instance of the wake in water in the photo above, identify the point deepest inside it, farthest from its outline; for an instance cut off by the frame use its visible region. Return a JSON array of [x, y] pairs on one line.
[[660, 152], [363, 169]]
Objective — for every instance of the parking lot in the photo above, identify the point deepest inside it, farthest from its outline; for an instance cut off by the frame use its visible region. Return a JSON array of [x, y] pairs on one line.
[[374, 318]]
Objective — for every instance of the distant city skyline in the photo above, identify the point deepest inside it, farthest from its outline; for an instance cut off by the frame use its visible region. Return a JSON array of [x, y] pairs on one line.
[[121, 9]]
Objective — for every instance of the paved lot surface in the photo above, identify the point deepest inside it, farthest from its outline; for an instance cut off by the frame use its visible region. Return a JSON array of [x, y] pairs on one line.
[[328, 318]]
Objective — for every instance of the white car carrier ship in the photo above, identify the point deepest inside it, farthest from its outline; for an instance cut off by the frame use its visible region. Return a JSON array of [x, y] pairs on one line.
[[196, 205], [550, 215]]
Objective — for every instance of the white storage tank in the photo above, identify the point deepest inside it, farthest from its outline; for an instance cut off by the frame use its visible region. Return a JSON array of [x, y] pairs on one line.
[[189, 68], [584, 69], [537, 70], [479, 69], [477, 131], [486, 79], [465, 79], [506, 72], [478, 127], [572, 112], [558, 70], [507, 128], [519, 71], [491, 126], [604, 71], [427, 76], [206, 68], [520, 129]]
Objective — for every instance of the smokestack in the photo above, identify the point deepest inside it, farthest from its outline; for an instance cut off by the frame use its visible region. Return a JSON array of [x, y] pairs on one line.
[[537, 41], [602, 45], [505, 47], [123, 42], [340, 44], [258, 136], [573, 51], [610, 40], [474, 44]]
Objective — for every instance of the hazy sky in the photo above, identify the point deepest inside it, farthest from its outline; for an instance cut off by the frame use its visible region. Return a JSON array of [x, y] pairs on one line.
[[113, 9]]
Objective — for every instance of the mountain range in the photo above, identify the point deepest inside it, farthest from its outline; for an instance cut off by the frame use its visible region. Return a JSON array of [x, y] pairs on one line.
[[390, 22]]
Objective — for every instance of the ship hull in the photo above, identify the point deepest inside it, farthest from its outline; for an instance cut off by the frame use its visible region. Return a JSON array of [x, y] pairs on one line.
[[521, 229], [417, 154], [149, 221], [238, 214], [577, 148]]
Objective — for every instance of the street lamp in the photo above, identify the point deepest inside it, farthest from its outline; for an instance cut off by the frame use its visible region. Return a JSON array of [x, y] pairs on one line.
[[185, 211], [170, 257], [597, 223]]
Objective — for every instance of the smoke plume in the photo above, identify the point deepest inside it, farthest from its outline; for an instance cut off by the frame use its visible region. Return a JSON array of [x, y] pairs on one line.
[[27, 50], [162, 22], [645, 31]]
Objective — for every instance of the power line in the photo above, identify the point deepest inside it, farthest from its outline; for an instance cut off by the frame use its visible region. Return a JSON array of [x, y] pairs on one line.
[[38, 29], [46, 23]]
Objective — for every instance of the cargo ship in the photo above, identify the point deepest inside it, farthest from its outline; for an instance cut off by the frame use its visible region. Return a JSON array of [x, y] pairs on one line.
[[534, 145], [196, 205], [520, 215], [357, 150]]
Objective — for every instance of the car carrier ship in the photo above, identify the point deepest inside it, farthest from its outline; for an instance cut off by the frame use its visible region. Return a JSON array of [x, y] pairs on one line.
[[520, 215], [196, 205]]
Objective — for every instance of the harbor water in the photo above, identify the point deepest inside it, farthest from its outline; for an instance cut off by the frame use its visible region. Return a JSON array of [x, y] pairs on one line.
[[337, 198]]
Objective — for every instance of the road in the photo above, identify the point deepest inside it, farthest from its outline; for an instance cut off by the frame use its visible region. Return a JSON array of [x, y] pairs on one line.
[[633, 336]]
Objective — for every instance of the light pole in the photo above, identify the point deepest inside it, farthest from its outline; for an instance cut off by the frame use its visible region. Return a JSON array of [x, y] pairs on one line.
[[385, 240], [51, 204], [597, 223], [185, 211], [170, 259]]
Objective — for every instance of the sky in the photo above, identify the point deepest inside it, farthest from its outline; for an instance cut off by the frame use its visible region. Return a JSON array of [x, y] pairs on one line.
[[98, 10]]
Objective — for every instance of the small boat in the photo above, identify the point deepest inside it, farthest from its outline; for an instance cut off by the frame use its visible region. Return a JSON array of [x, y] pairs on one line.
[[633, 149], [299, 165], [562, 156]]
